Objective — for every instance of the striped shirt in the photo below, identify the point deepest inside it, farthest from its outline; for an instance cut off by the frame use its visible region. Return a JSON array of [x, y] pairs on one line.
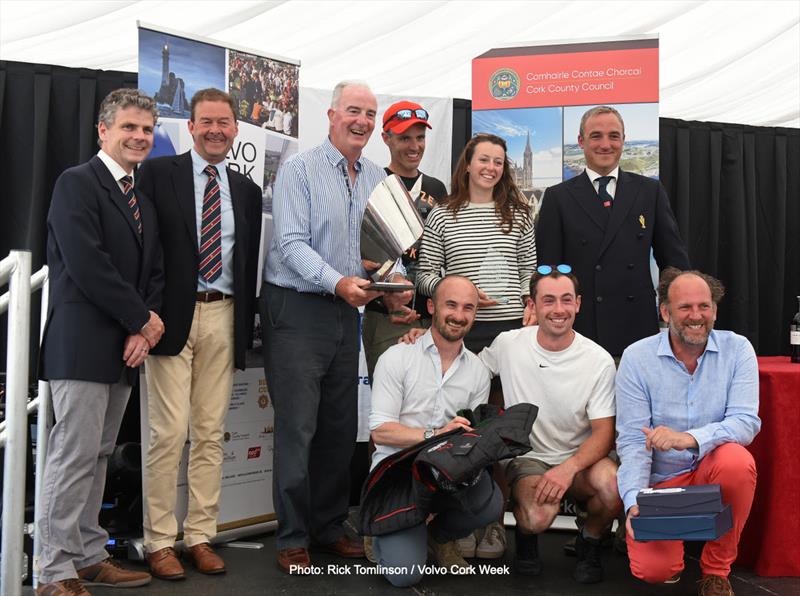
[[317, 220], [471, 243]]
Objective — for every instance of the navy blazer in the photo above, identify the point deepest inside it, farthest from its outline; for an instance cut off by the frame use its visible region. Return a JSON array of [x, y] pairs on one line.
[[104, 276], [609, 251], [169, 183]]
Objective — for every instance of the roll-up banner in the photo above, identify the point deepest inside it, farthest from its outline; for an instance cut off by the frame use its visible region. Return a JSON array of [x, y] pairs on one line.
[[534, 96], [172, 67]]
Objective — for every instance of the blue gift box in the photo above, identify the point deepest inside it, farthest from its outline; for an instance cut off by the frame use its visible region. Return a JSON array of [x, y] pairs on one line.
[[684, 500], [703, 526]]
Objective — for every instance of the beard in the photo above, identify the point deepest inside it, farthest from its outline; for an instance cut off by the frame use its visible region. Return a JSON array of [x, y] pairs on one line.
[[690, 336], [451, 334]]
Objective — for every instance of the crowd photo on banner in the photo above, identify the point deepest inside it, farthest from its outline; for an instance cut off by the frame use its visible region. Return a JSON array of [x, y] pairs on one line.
[[542, 342]]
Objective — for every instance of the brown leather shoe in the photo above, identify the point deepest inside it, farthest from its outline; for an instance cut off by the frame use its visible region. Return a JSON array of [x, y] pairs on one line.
[[164, 564], [111, 574], [714, 585], [205, 560], [292, 560], [344, 547], [65, 587]]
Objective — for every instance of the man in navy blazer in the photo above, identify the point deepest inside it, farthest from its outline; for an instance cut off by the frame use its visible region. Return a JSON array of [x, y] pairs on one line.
[[210, 218], [104, 258], [603, 223]]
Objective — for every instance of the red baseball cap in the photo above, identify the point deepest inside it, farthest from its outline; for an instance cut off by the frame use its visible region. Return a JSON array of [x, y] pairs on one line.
[[401, 116]]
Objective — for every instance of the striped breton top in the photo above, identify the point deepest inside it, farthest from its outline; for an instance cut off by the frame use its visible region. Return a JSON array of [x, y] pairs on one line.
[[471, 243]]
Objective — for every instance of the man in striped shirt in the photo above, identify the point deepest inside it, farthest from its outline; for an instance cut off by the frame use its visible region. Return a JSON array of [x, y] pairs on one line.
[[314, 283]]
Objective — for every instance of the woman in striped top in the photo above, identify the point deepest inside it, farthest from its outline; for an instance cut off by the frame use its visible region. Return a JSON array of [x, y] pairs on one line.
[[483, 231]]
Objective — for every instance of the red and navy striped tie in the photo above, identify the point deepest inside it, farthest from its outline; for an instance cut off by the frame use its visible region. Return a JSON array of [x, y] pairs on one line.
[[211, 229], [127, 188]]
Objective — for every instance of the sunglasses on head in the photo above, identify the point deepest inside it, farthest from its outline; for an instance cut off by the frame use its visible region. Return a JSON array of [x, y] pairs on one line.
[[408, 114], [548, 269]]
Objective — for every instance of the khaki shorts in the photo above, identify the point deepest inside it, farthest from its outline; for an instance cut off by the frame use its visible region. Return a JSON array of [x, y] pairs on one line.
[[520, 467]]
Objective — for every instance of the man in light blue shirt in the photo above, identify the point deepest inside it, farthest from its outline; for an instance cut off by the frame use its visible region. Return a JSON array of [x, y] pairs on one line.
[[687, 404], [314, 283]]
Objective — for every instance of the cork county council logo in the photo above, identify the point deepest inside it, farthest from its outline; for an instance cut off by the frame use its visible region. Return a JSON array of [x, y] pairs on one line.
[[504, 84]]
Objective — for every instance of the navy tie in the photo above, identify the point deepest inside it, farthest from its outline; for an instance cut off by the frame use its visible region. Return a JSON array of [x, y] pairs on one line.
[[211, 229], [602, 191], [127, 189]]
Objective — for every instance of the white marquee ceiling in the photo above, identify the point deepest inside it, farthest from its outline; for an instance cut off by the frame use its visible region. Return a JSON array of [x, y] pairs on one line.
[[720, 61]]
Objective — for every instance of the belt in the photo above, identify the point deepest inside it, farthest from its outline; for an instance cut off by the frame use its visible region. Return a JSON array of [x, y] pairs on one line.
[[212, 296]]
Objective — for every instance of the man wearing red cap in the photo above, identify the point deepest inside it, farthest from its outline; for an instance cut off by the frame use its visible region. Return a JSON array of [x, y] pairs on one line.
[[404, 126]]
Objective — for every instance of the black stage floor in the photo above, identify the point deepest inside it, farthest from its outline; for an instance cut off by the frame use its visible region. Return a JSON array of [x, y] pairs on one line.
[[255, 572]]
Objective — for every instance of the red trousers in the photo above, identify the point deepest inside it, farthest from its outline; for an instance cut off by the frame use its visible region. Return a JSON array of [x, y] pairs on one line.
[[732, 467]]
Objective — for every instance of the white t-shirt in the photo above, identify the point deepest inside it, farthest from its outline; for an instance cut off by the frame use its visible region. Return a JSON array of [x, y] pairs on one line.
[[571, 388]]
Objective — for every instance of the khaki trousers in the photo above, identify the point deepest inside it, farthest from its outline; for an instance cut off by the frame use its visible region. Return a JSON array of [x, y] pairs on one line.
[[188, 393]]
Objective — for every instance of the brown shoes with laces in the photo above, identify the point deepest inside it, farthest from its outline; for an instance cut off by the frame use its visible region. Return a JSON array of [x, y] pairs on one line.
[[111, 574], [293, 560], [344, 547], [714, 585], [204, 559], [65, 587], [164, 564]]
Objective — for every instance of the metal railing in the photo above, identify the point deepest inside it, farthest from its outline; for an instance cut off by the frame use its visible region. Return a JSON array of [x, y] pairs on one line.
[[16, 270]]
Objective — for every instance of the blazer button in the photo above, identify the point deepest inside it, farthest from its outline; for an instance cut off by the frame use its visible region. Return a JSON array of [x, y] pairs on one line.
[[584, 242], [599, 298], [630, 265], [640, 235], [598, 267], [630, 298]]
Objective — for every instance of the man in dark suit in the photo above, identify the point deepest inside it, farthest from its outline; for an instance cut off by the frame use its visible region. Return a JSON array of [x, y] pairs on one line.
[[106, 280], [210, 218], [603, 223]]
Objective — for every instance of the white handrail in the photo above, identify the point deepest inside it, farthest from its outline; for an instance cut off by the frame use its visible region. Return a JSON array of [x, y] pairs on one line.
[[16, 269]]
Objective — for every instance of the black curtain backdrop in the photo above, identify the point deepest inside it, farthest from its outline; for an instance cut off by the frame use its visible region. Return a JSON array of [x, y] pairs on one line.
[[735, 189], [47, 124]]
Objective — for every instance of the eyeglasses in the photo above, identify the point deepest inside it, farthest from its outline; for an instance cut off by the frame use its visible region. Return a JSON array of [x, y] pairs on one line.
[[408, 114], [548, 269]]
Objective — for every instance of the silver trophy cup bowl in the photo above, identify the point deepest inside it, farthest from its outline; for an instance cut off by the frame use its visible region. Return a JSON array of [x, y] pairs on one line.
[[391, 225]]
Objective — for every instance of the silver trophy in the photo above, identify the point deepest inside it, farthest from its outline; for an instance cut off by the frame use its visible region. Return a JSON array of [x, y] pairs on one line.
[[391, 225]]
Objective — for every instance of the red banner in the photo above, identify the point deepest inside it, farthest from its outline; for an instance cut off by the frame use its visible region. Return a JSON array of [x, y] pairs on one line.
[[565, 78]]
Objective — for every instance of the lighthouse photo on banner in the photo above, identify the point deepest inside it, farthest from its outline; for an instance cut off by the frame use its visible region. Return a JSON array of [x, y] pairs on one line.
[[172, 69]]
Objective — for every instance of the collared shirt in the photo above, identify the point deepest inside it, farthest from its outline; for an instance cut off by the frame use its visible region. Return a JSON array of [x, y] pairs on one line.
[[224, 283], [611, 187], [317, 220], [409, 388], [717, 404], [116, 170]]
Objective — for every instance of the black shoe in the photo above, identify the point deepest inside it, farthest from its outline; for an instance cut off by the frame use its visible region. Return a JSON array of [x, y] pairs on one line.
[[588, 569], [526, 555]]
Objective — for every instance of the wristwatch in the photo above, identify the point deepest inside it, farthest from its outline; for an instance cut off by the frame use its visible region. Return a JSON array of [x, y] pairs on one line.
[[429, 433]]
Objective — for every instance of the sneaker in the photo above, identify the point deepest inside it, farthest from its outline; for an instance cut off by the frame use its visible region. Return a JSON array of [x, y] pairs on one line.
[[111, 574], [493, 543], [526, 553], [65, 587], [447, 555], [467, 545], [588, 569], [714, 585]]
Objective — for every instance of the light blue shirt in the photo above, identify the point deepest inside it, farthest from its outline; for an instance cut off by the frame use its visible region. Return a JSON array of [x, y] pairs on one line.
[[224, 283], [409, 388], [317, 220], [717, 404]]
